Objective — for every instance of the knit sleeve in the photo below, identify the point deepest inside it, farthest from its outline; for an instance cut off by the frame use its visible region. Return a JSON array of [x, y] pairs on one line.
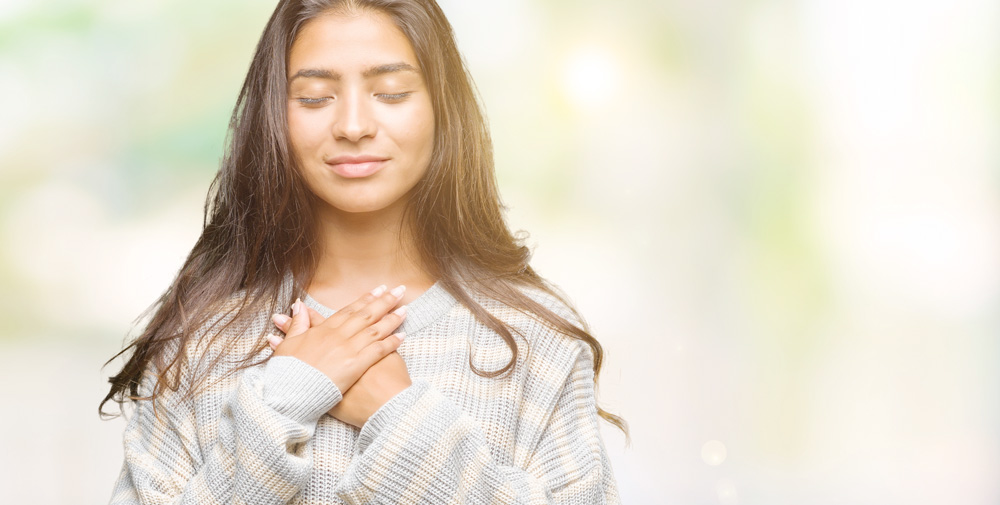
[[261, 454], [421, 448]]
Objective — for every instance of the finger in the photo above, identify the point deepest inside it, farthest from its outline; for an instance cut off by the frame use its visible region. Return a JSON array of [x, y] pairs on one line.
[[373, 312], [374, 352], [315, 318], [383, 327], [341, 315], [274, 341], [281, 321], [300, 319]]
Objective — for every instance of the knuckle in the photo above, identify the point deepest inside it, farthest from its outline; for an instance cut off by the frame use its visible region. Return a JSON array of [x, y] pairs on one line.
[[373, 349], [376, 350]]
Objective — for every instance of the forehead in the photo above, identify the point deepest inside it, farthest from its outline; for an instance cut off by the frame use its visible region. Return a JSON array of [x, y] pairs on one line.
[[349, 43]]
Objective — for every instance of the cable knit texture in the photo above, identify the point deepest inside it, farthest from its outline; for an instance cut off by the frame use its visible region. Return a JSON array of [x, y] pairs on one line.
[[261, 434]]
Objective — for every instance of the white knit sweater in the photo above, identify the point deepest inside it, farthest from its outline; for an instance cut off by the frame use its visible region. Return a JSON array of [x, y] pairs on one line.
[[261, 434]]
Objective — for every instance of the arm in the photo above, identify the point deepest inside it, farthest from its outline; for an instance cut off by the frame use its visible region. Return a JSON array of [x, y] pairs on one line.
[[262, 451], [421, 448]]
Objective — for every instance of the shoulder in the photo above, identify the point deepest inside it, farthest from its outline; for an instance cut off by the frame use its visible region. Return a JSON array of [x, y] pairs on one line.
[[545, 343], [556, 302], [237, 325], [205, 344], [231, 333], [524, 312], [228, 336]]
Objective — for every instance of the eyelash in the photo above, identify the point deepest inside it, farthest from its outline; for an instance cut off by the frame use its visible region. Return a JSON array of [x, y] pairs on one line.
[[389, 97], [311, 101], [394, 97]]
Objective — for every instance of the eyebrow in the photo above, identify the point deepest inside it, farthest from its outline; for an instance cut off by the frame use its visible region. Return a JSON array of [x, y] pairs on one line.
[[325, 73]]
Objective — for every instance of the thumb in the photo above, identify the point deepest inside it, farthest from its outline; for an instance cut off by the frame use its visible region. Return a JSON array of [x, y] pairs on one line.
[[300, 319]]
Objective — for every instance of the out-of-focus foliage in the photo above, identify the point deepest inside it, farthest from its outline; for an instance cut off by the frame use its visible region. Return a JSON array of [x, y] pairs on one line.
[[782, 219]]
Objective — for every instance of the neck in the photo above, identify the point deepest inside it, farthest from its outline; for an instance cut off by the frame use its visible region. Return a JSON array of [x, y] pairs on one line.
[[359, 251]]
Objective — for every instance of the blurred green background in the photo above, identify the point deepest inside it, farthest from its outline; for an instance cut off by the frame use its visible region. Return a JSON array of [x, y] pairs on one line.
[[781, 218]]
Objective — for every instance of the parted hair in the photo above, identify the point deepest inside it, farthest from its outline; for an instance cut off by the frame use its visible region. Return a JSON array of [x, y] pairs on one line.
[[259, 223]]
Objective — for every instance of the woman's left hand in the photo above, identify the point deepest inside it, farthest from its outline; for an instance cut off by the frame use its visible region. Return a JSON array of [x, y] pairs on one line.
[[383, 380]]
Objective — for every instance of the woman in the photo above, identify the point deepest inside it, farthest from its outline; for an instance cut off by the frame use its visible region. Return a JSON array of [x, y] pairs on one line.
[[359, 157]]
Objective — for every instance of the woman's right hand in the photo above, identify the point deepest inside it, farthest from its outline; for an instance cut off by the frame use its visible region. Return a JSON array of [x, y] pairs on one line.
[[350, 341]]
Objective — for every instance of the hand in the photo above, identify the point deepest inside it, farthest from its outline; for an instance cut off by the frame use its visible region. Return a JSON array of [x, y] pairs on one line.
[[345, 345], [374, 388], [378, 385]]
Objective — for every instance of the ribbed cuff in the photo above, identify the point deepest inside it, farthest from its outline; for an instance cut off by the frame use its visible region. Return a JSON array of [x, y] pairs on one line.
[[411, 439], [390, 412], [297, 390]]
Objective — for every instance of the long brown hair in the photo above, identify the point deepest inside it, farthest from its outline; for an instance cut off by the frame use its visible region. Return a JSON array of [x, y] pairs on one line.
[[259, 224]]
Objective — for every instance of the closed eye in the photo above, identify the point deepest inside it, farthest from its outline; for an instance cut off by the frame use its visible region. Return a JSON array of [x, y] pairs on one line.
[[393, 97], [385, 97], [312, 101]]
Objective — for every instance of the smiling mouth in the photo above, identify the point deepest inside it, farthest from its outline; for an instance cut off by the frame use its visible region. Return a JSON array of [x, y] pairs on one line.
[[356, 168]]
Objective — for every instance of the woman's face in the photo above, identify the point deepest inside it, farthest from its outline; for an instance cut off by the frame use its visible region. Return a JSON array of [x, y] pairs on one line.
[[359, 113]]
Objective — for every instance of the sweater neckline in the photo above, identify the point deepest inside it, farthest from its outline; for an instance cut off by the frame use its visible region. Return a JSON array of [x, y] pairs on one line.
[[420, 313]]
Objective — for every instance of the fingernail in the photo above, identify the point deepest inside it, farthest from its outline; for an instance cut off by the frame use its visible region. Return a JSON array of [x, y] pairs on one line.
[[398, 291], [296, 307], [401, 312], [280, 319], [401, 336], [274, 340], [379, 290]]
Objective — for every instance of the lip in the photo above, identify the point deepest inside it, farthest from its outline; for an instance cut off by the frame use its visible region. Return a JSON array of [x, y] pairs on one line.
[[355, 167]]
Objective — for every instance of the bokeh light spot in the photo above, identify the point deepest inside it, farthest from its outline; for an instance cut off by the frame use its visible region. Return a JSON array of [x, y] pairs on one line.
[[726, 491], [591, 77], [713, 452]]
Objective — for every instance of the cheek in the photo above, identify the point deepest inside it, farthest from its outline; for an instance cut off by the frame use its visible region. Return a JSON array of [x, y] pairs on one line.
[[419, 131], [305, 131]]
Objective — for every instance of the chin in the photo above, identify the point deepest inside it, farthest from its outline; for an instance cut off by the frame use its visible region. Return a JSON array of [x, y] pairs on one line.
[[362, 196], [360, 204], [360, 208]]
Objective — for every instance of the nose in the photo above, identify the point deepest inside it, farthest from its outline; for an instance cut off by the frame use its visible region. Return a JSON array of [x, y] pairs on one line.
[[354, 119]]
